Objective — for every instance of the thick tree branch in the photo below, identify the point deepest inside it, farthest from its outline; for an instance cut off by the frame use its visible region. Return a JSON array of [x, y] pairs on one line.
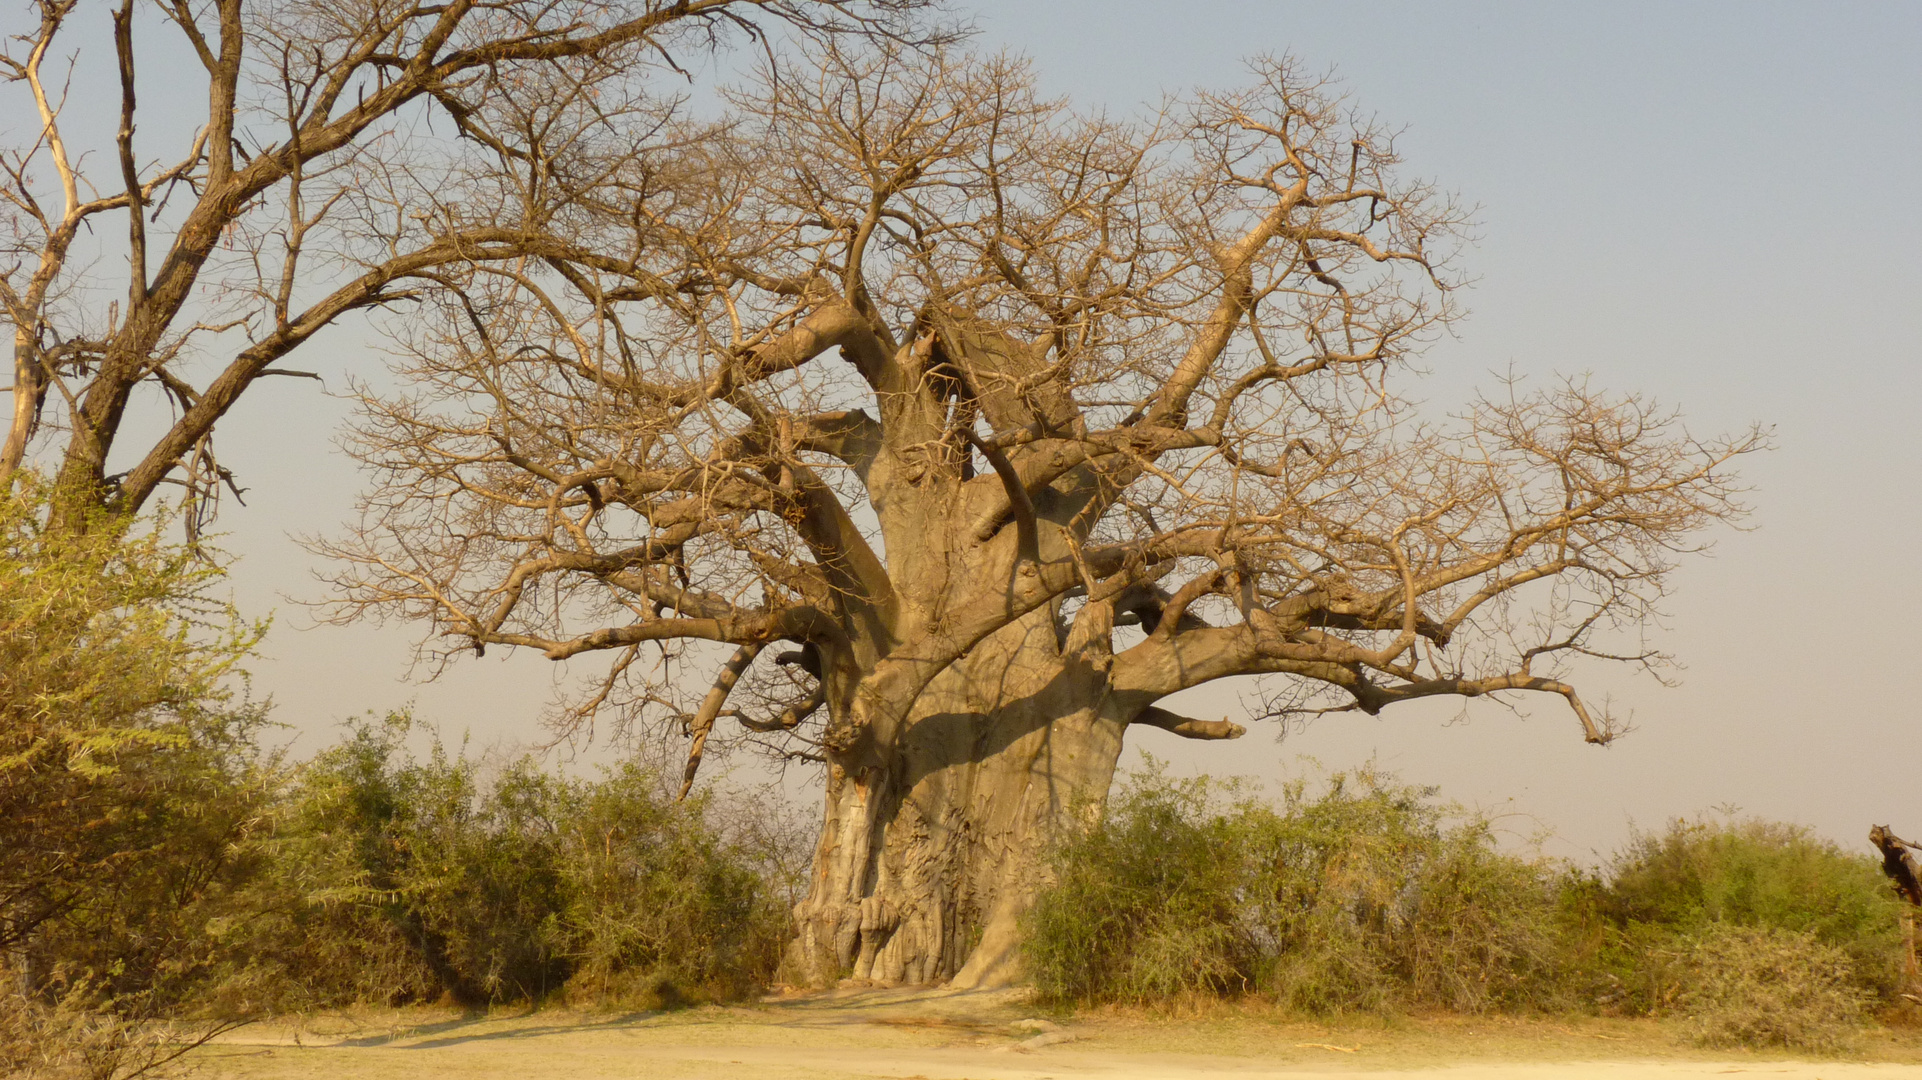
[[1027, 533], [1187, 728], [703, 720]]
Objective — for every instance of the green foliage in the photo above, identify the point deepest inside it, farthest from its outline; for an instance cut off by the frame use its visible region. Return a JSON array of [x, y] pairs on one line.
[[1763, 985], [401, 879], [130, 788], [1486, 931], [1143, 907], [1365, 894], [1758, 873], [655, 903], [1667, 889], [356, 891], [154, 866], [118, 727], [1362, 896]]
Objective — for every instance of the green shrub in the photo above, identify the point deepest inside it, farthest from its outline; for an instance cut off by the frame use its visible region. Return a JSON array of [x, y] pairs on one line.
[[1143, 906], [398, 879], [1666, 889], [124, 751], [1760, 986], [657, 906], [349, 899], [130, 791], [1380, 898], [1486, 931], [156, 870], [1361, 896]]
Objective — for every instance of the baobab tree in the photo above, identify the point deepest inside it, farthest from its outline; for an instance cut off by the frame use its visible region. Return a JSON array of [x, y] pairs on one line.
[[914, 425], [348, 154]]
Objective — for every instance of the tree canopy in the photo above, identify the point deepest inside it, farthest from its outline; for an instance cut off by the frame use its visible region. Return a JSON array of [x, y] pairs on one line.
[[898, 315]]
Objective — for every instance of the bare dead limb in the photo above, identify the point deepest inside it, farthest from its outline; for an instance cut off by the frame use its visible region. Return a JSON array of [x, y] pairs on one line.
[[1897, 864], [216, 225], [1080, 288]]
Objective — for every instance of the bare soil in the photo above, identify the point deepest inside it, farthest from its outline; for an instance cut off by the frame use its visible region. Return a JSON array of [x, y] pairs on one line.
[[993, 1036]]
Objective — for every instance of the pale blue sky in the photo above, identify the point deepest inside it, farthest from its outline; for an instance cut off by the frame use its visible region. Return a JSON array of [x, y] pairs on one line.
[[1718, 204]]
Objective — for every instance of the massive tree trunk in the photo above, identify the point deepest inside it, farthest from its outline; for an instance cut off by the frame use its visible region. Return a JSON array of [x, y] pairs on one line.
[[945, 797], [933, 847]]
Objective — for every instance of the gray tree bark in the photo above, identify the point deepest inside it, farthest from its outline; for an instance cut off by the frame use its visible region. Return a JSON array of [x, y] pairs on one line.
[[933, 848]]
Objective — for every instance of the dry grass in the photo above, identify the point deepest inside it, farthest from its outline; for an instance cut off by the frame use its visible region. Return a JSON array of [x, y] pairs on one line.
[[904, 1034]]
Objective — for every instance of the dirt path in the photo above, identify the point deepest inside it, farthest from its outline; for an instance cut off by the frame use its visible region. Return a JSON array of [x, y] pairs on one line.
[[984, 1037]]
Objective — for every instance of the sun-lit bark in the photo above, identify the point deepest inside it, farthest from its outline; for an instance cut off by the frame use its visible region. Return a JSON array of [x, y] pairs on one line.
[[1010, 423]]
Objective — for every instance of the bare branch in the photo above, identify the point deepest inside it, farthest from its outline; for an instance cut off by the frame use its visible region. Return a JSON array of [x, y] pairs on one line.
[[703, 720], [1187, 728]]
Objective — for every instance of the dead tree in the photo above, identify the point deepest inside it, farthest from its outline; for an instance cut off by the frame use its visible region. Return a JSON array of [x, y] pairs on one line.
[[1900, 868], [1897, 864]]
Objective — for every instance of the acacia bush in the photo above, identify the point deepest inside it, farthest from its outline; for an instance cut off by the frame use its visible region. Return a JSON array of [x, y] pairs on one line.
[[1362, 895]]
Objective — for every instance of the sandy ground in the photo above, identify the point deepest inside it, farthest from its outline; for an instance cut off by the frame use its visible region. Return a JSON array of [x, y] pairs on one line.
[[932, 1036]]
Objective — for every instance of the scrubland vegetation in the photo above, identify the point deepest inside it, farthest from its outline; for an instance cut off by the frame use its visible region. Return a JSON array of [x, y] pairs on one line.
[[372, 876], [165, 879], [1368, 894], [162, 878]]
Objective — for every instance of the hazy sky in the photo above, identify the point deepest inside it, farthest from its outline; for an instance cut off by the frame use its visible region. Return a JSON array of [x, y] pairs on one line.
[[1720, 205]]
